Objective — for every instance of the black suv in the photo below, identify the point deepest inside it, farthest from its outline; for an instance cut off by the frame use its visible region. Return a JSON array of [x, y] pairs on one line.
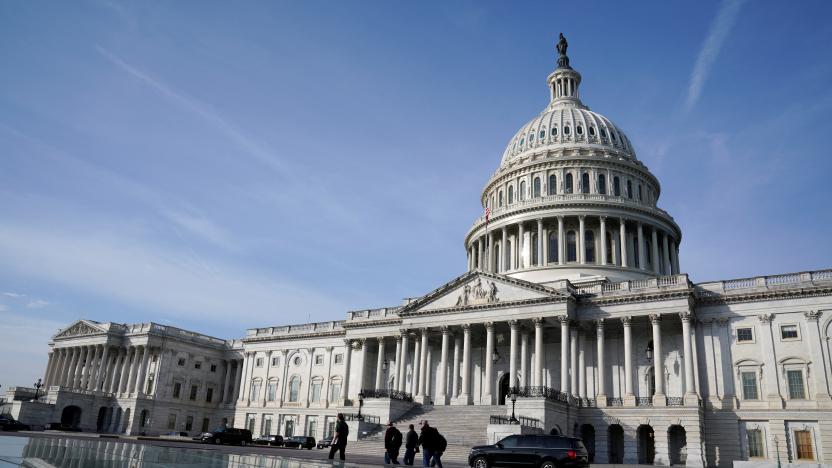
[[226, 435], [301, 442], [544, 451]]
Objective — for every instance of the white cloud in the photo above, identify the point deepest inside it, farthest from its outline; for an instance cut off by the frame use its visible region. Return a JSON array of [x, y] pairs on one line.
[[37, 304], [14, 295], [202, 227], [720, 28]]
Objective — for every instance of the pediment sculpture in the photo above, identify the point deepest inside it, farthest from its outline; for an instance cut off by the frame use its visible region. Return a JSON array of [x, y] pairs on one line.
[[478, 294], [79, 329]]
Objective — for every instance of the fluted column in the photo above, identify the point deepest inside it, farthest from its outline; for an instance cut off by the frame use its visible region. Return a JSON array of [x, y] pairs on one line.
[[489, 363], [65, 361], [268, 362], [520, 246], [581, 240], [402, 366], [125, 369], [398, 361], [690, 389], [116, 374], [442, 372], [601, 392], [642, 264], [362, 355], [89, 368], [79, 368], [134, 370], [666, 255], [50, 367], [423, 363], [512, 355], [771, 379], [504, 253], [226, 382], [238, 378], [564, 353], [538, 351], [656, 261], [819, 377], [465, 394], [573, 362], [674, 258], [380, 365], [141, 379], [603, 240], [417, 363], [581, 366], [629, 396], [345, 389], [561, 235], [525, 379], [658, 360], [103, 368], [457, 350], [539, 241], [622, 227], [480, 249]]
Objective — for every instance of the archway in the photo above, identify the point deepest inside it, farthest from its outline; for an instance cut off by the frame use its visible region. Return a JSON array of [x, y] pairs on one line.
[[615, 443], [677, 441], [71, 416], [101, 420], [505, 385], [646, 445], [588, 436], [555, 430]]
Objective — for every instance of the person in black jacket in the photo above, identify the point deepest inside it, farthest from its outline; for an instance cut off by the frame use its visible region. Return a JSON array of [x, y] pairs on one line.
[[339, 442], [429, 439], [392, 444], [411, 446]]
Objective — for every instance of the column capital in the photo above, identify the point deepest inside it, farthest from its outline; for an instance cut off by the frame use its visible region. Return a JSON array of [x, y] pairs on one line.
[[723, 321], [602, 218], [539, 221], [504, 229], [380, 339], [489, 326], [404, 331], [329, 349], [812, 315], [655, 318], [513, 323], [538, 322], [348, 342], [564, 319], [284, 352], [466, 327], [765, 318], [626, 320], [398, 338], [686, 316], [446, 330], [599, 324]]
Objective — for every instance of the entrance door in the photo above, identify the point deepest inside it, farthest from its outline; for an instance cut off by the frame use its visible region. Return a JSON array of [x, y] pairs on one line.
[[616, 444], [290, 428], [677, 440], [646, 447], [504, 388]]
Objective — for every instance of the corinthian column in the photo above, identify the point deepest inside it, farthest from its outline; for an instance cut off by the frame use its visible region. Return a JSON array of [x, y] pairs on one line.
[[629, 396], [380, 365], [423, 362], [345, 389], [658, 360], [538, 352], [442, 372], [489, 362], [690, 390], [564, 353], [512, 355], [465, 393], [601, 396], [622, 226], [402, 365]]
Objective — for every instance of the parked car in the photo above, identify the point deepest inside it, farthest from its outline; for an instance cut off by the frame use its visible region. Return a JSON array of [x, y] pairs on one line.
[[543, 451], [301, 442], [8, 423], [226, 435], [56, 426], [273, 440], [325, 442]]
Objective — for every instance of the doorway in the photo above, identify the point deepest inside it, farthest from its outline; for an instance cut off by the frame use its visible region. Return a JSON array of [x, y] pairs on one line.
[[505, 383], [677, 440], [615, 441], [646, 445], [588, 436], [71, 416]]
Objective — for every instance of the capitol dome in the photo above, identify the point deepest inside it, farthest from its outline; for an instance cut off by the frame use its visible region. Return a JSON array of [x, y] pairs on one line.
[[570, 200]]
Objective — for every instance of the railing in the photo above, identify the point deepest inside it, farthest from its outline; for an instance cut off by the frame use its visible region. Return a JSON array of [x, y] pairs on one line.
[[586, 402], [368, 418], [675, 401], [523, 421], [386, 393], [373, 314], [615, 401], [713, 289], [540, 392], [644, 401], [680, 280], [299, 329]]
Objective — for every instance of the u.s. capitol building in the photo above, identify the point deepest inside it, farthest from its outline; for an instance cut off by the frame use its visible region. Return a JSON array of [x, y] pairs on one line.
[[574, 302]]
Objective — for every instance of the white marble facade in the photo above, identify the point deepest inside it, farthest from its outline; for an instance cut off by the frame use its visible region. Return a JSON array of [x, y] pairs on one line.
[[573, 294]]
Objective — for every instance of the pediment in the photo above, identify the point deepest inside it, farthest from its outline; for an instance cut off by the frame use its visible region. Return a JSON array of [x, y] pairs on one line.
[[478, 289], [80, 328]]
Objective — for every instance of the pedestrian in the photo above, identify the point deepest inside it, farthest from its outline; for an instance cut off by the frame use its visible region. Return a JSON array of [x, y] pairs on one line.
[[339, 442], [429, 441], [411, 445], [392, 444], [441, 445]]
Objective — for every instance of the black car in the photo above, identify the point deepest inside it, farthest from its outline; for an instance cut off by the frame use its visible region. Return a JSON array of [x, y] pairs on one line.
[[544, 451], [325, 442], [301, 442], [8, 423], [226, 435], [273, 440], [56, 426]]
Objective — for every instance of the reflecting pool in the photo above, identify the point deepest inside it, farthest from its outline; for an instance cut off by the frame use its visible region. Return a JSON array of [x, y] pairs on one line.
[[48, 452]]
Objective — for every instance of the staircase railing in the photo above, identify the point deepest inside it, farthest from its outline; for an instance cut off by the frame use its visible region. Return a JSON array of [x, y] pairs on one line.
[[523, 421], [387, 393]]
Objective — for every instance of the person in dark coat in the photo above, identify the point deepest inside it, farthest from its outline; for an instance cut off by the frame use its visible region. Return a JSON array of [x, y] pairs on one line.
[[411, 446], [429, 440], [392, 444], [339, 442]]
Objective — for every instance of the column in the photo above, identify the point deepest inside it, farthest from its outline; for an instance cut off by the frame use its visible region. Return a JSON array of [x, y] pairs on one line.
[[417, 362], [525, 379], [423, 363], [465, 394], [674, 258], [690, 390], [455, 383], [520, 250], [140, 382], [658, 360], [629, 396], [362, 354], [512, 355], [656, 261], [489, 363], [77, 370], [402, 365], [581, 366], [265, 387], [50, 367], [238, 378], [65, 359], [538, 352], [561, 250], [90, 367], [380, 365], [622, 226], [489, 244], [328, 382], [480, 249], [770, 377], [581, 240], [564, 353], [398, 360], [125, 368], [504, 253], [245, 383], [103, 369], [442, 372], [666, 256], [284, 379], [115, 379], [345, 388], [603, 240], [573, 362], [600, 388], [641, 256], [539, 241], [226, 381], [134, 371], [818, 373]]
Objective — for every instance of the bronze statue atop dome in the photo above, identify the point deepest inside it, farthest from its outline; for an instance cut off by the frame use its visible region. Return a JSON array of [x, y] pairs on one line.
[[562, 45]]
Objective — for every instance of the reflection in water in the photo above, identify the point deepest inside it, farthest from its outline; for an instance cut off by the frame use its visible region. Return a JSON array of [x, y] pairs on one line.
[[47, 452]]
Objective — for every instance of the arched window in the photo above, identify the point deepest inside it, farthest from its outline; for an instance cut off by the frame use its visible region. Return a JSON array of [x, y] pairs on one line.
[[335, 389], [255, 390], [616, 186], [542, 134], [531, 137], [566, 130], [554, 131], [591, 131], [579, 129], [500, 198], [571, 247], [589, 246], [567, 185], [508, 255], [585, 183], [630, 190], [534, 248], [603, 133], [553, 184], [317, 385], [602, 184], [553, 247], [639, 192], [271, 390], [522, 192], [294, 389], [510, 194], [636, 251], [536, 187]]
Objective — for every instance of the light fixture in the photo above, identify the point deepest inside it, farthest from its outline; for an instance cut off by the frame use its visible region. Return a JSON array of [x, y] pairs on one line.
[[513, 397], [384, 365], [649, 351], [495, 356]]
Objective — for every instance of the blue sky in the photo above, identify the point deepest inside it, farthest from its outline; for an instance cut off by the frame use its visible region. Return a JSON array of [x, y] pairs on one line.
[[220, 166]]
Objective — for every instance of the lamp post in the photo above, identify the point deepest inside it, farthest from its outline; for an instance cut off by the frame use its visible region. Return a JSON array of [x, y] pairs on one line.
[[777, 449], [513, 396], [360, 404], [37, 385]]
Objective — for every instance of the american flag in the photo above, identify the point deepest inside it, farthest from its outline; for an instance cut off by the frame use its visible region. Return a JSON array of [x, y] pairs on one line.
[[487, 213]]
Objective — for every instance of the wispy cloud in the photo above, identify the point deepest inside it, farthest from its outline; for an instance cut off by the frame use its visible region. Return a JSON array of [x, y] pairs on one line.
[[720, 28], [202, 227], [37, 304], [13, 294]]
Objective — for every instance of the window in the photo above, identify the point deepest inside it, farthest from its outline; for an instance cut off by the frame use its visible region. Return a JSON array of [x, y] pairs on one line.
[[589, 246], [181, 362], [510, 194], [171, 421], [209, 395], [206, 424], [275, 361], [603, 133], [267, 425], [521, 194], [500, 198], [566, 130], [258, 362], [250, 422], [584, 183], [610, 247], [571, 248], [567, 188], [553, 246], [536, 187], [796, 389], [339, 358], [316, 391], [553, 184], [602, 184], [335, 391], [297, 361], [294, 389], [755, 443], [616, 186], [255, 391], [213, 367], [639, 192], [177, 389], [579, 129], [319, 359], [591, 131], [271, 390], [542, 134], [533, 241], [197, 365], [143, 418], [612, 135], [194, 390], [803, 444], [745, 335], [789, 332], [149, 387], [749, 385], [510, 441], [189, 423], [554, 131], [636, 250], [531, 137], [629, 190]]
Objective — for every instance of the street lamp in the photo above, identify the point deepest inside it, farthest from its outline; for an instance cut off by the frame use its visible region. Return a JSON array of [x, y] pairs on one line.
[[360, 404], [777, 449], [37, 385], [513, 396], [649, 351]]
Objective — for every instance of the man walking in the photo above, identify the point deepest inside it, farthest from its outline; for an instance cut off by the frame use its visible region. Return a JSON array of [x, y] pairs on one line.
[[392, 444], [411, 445], [339, 442], [429, 440]]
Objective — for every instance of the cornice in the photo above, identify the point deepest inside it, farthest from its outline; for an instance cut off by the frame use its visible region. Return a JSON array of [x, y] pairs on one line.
[[647, 296], [372, 323], [709, 298], [300, 336], [493, 305]]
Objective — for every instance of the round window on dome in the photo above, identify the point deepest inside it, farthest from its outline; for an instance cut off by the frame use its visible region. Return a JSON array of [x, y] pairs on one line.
[[580, 130], [554, 131], [566, 130], [591, 131]]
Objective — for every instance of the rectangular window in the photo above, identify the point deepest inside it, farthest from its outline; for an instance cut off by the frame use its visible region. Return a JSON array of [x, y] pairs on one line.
[[339, 358], [209, 394], [197, 365], [181, 362], [189, 423], [803, 443], [194, 389], [335, 394], [316, 392], [755, 443], [171, 421], [255, 391], [796, 389], [250, 422], [749, 386], [788, 332], [149, 388], [177, 389], [275, 361], [206, 424], [267, 425], [319, 359], [258, 362], [271, 391], [213, 367], [745, 335]]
